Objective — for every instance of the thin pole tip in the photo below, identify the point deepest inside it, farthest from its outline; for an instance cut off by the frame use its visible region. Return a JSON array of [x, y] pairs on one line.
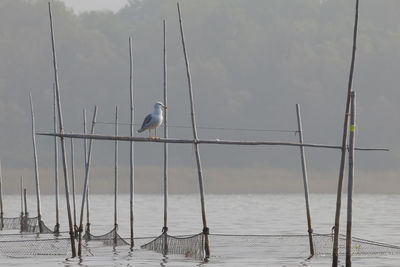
[[179, 10]]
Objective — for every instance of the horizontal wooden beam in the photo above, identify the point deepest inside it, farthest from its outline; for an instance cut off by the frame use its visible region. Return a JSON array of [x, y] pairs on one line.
[[191, 141]]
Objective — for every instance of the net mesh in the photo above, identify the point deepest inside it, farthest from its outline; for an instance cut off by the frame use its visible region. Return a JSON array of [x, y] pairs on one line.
[[324, 245], [22, 246], [233, 245], [25, 224], [111, 238], [190, 246], [12, 223]]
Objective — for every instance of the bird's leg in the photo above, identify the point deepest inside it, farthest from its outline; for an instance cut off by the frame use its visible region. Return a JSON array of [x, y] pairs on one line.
[[155, 132], [150, 137]]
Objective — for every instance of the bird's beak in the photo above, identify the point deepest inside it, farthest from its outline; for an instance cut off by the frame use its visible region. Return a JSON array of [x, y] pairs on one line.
[[165, 107]]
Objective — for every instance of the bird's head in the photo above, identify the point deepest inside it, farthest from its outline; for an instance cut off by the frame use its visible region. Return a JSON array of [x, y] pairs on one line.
[[159, 105]]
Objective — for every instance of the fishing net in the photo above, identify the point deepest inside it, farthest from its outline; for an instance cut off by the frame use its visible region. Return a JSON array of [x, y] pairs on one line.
[[12, 223], [324, 245], [190, 246], [28, 246], [111, 238], [25, 224], [232, 246], [296, 244]]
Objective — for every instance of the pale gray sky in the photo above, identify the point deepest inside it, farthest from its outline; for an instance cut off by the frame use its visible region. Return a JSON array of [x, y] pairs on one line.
[[80, 6]]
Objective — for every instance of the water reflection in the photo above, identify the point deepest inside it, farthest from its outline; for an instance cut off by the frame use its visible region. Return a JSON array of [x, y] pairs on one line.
[[164, 261]]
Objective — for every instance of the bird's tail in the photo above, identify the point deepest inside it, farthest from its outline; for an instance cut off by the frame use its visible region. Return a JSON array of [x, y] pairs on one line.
[[140, 130]]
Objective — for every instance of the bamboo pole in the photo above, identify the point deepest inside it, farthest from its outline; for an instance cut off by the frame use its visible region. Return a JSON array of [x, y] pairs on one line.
[[21, 184], [335, 252], [86, 184], [1, 199], [57, 226], [87, 228], [86, 163], [195, 138], [73, 183], [26, 205], [305, 181], [85, 140], [61, 128], [35, 160], [25, 216], [116, 177], [131, 146], [165, 228], [199, 141], [350, 181], [116, 170], [21, 190]]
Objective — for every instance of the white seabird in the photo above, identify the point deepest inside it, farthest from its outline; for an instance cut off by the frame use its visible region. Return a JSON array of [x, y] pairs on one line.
[[153, 120]]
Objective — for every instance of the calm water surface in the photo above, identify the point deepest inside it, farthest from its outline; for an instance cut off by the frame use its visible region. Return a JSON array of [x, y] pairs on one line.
[[376, 217]]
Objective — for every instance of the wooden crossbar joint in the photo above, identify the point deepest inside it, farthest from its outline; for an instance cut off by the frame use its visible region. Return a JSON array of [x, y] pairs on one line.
[[57, 228], [206, 230]]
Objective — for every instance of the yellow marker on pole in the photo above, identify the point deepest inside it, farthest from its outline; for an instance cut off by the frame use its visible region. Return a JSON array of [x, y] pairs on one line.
[[352, 128]]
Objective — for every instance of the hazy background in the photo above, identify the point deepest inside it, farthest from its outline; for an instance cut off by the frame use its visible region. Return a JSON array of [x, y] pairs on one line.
[[251, 62]]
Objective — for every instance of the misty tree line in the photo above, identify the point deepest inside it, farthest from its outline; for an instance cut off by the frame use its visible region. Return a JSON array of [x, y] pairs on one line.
[[250, 59]]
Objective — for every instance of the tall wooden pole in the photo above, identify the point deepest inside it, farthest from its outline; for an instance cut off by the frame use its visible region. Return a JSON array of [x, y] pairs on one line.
[[165, 228], [350, 182], [21, 190], [84, 140], [88, 189], [116, 171], [131, 147], [26, 205], [86, 164], [116, 178], [57, 226], [305, 181], [335, 252], [196, 146], [73, 182], [21, 184], [85, 185], [35, 160], [1, 199], [61, 128]]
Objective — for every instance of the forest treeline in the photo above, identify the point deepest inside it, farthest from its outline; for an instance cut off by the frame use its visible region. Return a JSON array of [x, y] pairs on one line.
[[251, 62]]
